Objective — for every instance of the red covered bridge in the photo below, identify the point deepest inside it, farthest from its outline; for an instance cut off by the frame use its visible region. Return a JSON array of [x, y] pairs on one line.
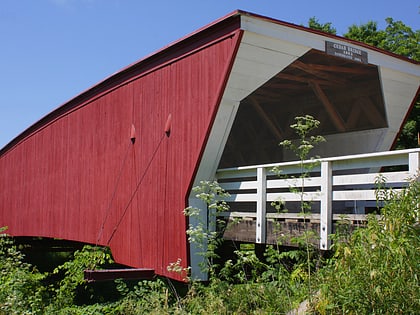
[[115, 165]]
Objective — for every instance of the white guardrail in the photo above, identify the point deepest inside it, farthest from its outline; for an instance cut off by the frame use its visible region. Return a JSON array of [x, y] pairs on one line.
[[345, 179]]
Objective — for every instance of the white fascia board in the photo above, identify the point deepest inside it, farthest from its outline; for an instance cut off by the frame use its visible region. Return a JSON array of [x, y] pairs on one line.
[[301, 37], [283, 33], [399, 90], [217, 140], [258, 59], [207, 171], [393, 63]]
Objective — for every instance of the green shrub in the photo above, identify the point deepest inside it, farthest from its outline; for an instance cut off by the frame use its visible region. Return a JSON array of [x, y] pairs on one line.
[[21, 289], [90, 257], [378, 270], [373, 271]]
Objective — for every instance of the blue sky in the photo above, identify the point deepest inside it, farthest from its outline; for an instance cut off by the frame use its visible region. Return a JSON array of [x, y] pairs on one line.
[[52, 50]]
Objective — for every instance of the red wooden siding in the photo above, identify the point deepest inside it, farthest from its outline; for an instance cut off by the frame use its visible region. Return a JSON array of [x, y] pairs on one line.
[[79, 176]]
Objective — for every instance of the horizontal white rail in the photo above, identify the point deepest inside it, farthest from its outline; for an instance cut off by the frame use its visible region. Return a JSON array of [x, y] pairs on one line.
[[285, 215], [349, 179]]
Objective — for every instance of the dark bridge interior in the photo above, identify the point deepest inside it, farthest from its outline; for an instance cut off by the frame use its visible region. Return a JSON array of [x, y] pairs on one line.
[[342, 94]]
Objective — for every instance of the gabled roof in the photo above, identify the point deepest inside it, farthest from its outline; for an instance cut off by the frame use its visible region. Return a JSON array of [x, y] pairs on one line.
[[249, 22], [282, 70]]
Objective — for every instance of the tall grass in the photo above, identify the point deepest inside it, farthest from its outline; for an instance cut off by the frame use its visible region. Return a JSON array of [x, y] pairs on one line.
[[377, 271]]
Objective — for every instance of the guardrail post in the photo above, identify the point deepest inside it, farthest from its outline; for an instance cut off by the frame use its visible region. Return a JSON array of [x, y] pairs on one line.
[[326, 205], [413, 162], [260, 231]]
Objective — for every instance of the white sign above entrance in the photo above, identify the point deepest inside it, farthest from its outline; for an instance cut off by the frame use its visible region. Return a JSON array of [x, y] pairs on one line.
[[345, 51]]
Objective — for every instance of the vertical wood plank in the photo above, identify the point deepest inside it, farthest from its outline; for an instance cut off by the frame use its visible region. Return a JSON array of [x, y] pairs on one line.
[[260, 232], [326, 205], [413, 163]]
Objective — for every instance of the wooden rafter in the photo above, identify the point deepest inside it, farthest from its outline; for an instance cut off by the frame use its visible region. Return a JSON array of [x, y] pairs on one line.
[[339, 69], [372, 114], [296, 78], [275, 130], [319, 74], [333, 114], [354, 116], [358, 89]]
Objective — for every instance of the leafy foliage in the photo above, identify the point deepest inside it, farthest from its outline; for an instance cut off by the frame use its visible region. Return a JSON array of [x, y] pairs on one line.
[[22, 290], [205, 233], [374, 271], [326, 27], [91, 257], [267, 282], [397, 37], [377, 271], [409, 134], [304, 128]]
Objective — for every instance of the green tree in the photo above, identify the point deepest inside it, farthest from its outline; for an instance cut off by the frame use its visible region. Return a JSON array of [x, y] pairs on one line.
[[396, 37], [367, 33], [410, 131], [326, 27]]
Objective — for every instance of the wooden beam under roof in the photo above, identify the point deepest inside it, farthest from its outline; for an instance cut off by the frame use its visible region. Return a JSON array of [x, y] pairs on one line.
[[275, 130], [354, 116], [372, 113], [319, 74], [296, 78], [334, 68], [332, 112]]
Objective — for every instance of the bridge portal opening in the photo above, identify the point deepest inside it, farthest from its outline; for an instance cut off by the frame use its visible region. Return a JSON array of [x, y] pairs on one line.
[[344, 95]]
